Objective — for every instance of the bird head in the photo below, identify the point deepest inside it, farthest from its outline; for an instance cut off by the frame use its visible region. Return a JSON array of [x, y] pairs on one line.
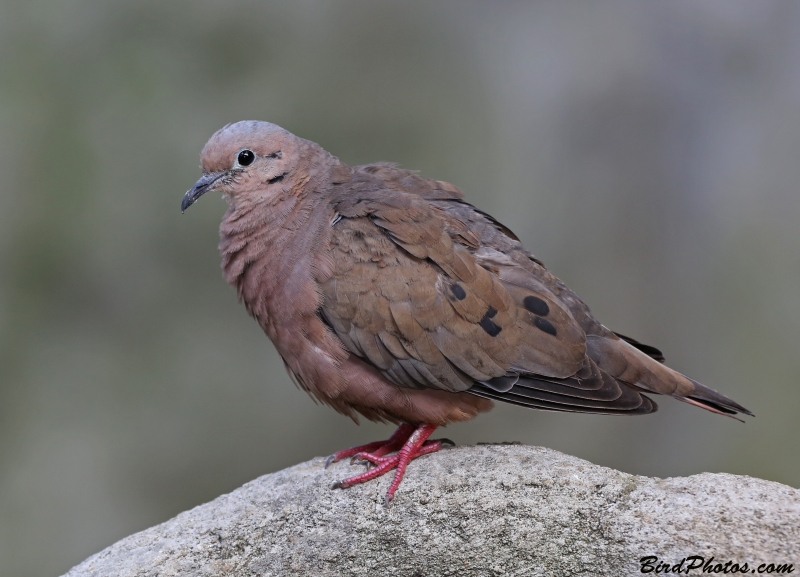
[[246, 159]]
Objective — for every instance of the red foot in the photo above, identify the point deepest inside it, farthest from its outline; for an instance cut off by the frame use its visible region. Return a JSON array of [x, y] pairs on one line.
[[394, 442], [411, 442]]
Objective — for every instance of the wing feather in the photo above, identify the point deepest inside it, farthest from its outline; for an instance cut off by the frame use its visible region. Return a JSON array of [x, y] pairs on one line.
[[434, 293]]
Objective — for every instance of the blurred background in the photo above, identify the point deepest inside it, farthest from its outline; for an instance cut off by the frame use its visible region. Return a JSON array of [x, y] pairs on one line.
[[647, 152]]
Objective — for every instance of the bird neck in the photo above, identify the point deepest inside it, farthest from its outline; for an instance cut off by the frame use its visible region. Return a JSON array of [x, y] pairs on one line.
[[268, 249]]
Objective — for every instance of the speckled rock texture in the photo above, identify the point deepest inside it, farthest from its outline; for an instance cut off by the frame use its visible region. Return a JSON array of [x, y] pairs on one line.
[[489, 510]]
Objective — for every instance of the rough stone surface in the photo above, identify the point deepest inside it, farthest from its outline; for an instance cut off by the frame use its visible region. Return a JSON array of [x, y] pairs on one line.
[[489, 510]]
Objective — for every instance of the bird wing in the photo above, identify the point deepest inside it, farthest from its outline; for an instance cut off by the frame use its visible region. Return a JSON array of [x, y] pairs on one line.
[[435, 293], [417, 291]]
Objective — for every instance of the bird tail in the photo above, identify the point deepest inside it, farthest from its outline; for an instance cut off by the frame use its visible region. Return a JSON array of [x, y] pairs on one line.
[[628, 363], [711, 400]]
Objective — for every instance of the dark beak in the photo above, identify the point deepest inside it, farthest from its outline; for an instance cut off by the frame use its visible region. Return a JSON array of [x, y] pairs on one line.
[[200, 187]]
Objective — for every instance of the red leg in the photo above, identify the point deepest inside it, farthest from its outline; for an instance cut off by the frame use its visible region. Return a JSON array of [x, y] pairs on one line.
[[416, 445], [394, 442]]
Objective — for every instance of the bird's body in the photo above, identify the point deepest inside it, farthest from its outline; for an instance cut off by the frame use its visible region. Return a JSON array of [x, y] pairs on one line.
[[387, 295]]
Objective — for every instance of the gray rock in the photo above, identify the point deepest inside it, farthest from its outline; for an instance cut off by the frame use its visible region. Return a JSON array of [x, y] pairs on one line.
[[488, 510]]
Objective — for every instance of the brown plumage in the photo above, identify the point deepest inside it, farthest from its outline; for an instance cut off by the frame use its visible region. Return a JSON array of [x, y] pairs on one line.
[[389, 296]]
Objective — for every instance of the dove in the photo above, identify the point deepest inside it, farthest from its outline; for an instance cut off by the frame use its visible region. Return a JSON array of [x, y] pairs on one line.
[[390, 297]]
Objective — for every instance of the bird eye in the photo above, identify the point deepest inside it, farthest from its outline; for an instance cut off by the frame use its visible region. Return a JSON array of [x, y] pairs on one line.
[[245, 157]]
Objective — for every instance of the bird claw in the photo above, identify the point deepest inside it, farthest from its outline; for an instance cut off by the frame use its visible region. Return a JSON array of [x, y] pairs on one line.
[[356, 460], [447, 442], [368, 459], [378, 463], [367, 464], [406, 444]]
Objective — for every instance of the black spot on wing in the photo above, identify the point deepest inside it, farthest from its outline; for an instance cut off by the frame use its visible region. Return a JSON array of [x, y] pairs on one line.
[[536, 305], [488, 325], [545, 326], [458, 291]]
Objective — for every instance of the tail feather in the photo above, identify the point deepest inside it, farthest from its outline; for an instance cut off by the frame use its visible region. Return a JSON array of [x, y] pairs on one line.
[[627, 362], [713, 401], [708, 406]]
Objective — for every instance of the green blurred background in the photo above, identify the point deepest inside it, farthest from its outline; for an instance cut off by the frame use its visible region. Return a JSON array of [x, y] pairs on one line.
[[648, 152]]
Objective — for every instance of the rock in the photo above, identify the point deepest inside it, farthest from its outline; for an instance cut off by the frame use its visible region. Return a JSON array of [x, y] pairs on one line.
[[468, 511]]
